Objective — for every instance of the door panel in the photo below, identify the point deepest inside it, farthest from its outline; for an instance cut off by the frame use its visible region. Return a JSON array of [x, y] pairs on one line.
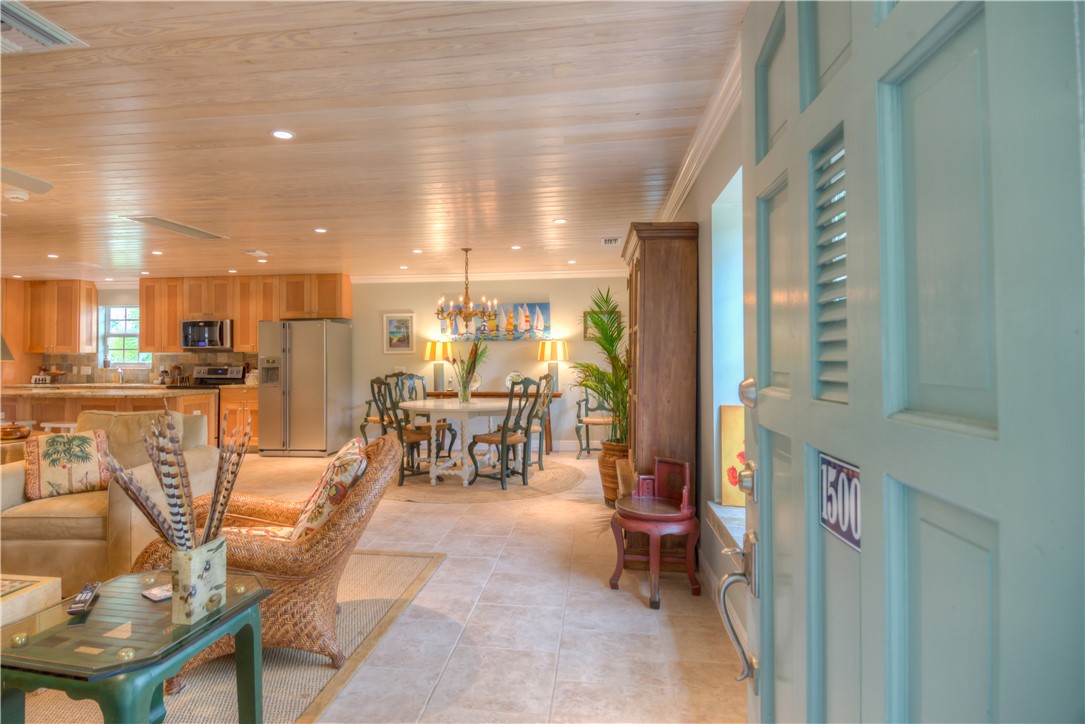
[[959, 362], [306, 390]]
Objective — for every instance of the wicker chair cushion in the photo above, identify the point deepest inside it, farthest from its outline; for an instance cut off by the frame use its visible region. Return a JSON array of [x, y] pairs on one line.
[[339, 477], [266, 531]]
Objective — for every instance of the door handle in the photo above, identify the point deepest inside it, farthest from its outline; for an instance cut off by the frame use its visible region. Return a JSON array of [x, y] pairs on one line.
[[747, 392], [748, 575], [747, 480]]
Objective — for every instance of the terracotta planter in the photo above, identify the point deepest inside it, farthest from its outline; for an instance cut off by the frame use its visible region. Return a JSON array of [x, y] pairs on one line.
[[608, 471]]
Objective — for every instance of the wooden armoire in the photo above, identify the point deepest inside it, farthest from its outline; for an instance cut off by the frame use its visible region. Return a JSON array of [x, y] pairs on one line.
[[662, 261]]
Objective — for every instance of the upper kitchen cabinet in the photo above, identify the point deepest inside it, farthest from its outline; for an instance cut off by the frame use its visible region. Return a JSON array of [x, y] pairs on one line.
[[314, 296], [209, 298], [257, 301], [160, 314], [61, 316]]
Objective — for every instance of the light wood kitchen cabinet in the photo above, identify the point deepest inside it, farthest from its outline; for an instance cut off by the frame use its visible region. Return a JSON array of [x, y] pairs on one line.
[[61, 317], [209, 298], [662, 262], [238, 403], [257, 300], [160, 314], [314, 296], [25, 364]]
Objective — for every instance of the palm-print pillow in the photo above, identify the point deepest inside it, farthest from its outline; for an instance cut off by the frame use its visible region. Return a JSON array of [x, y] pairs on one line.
[[63, 464], [339, 477]]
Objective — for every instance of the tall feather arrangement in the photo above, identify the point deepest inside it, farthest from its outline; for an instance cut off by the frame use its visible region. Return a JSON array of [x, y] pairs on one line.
[[167, 457], [144, 504], [231, 455]]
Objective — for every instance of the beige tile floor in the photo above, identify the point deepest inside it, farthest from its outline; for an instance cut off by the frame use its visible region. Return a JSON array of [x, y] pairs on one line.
[[519, 622]]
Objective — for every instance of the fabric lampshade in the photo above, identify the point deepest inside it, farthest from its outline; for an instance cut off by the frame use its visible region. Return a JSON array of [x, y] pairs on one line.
[[553, 350], [437, 351]]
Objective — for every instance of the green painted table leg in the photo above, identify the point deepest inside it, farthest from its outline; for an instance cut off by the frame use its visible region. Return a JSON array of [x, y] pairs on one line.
[[249, 666], [13, 705]]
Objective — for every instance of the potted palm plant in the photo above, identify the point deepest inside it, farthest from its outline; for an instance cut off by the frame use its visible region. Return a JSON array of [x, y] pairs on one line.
[[609, 382]]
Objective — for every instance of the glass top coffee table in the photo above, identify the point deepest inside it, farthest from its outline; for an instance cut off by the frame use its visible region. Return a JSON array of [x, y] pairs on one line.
[[121, 652]]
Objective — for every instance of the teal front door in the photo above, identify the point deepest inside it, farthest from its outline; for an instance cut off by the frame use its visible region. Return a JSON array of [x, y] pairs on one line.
[[914, 324]]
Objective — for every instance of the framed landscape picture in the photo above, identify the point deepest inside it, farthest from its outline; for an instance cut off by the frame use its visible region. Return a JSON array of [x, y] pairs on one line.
[[398, 332]]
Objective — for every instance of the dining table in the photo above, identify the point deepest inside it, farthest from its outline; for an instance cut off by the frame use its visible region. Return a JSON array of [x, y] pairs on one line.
[[504, 395], [454, 411]]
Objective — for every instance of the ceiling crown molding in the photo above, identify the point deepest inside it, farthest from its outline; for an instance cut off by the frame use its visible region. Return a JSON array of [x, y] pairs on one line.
[[721, 108]]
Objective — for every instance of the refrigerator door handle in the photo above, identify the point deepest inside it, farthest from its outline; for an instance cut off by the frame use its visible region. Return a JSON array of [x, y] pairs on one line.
[[284, 411]]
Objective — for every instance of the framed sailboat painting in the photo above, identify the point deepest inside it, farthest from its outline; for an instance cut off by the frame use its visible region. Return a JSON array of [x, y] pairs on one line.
[[515, 322]]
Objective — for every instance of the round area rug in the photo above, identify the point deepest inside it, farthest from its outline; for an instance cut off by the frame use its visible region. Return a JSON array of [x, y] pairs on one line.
[[554, 479]]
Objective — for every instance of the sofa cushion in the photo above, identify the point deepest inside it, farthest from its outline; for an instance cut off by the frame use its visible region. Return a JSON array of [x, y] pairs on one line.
[[284, 532], [125, 431], [81, 516], [342, 473], [63, 464]]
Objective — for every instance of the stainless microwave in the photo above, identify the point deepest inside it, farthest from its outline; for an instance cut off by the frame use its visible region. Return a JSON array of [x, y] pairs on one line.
[[207, 334]]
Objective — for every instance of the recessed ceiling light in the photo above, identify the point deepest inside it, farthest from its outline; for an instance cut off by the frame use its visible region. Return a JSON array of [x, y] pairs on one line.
[[516, 248], [402, 266], [231, 271], [52, 256], [16, 276], [261, 261], [416, 251], [560, 221], [321, 231], [109, 279], [145, 273], [572, 261], [157, 253], [283, 134]]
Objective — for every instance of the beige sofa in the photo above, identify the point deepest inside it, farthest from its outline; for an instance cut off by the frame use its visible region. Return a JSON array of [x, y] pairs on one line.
[[94, 536]]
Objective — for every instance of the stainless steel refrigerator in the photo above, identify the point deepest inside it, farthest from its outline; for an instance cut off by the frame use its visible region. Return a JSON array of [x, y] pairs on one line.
[[305, 386]]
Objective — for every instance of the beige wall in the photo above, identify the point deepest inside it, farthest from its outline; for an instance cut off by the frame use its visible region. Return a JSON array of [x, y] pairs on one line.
[[568, 298]]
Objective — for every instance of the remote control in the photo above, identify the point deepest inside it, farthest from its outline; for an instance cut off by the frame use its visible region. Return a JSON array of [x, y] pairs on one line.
[[84, 599]]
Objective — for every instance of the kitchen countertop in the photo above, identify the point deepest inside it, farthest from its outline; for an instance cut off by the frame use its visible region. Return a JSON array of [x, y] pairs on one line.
[[99, 390]]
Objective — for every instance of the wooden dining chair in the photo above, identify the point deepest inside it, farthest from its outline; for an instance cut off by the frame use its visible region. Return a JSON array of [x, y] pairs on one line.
[[396, 421], [539, 419], [659, 505], [413, 387], [372, 415], [512, 434]]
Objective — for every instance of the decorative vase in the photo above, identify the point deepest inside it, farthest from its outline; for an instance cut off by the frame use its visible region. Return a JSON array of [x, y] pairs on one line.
[[465, 392], [199, 581], [608, 469]]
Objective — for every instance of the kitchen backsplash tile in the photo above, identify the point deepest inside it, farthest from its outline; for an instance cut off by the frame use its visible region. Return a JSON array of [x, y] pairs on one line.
[[73, 364]]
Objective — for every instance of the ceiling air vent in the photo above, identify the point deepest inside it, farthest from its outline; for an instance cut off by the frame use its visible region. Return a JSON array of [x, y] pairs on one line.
[[24, 31], [611, 240], [175, 227]]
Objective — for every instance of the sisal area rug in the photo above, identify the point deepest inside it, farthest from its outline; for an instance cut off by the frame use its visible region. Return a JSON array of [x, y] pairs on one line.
[[554, 479], [298, 686]]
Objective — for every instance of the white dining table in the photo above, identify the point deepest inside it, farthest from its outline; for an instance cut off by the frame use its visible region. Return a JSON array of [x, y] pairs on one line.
[[459, 413]]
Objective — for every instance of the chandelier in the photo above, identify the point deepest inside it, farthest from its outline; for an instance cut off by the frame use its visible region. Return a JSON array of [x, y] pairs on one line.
[[466, 310]]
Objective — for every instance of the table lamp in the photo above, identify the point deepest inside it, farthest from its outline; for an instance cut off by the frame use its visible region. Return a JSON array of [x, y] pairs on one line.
[[438, 352], [553, 351]]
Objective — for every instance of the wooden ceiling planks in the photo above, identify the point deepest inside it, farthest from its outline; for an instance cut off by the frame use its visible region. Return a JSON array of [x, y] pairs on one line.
[[420, 125]]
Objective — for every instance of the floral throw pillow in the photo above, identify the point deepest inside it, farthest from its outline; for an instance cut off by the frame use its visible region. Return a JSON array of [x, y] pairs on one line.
[[63, 464], [342, 474]]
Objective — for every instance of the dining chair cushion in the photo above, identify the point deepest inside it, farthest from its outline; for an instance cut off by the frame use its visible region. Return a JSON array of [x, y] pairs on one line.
[[598, 420], [339, 477], [494, 438]]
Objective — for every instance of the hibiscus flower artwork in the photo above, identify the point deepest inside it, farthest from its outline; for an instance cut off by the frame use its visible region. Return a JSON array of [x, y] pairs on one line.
[[732, 471]]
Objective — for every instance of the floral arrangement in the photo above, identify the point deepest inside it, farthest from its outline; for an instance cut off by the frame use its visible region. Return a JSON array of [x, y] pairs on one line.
[[732, 472], [464, 369]]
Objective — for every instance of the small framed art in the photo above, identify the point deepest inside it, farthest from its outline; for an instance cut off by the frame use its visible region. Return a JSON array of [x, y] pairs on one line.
[[398, 330]]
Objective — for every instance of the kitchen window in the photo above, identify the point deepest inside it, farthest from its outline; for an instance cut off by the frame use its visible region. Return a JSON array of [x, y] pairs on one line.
[[120, 337]]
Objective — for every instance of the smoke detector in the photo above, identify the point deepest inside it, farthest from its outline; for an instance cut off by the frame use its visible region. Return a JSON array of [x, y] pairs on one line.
[[16, 195]]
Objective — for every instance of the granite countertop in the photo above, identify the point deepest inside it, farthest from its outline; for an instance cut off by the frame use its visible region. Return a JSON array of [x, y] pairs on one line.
[[99, 390]]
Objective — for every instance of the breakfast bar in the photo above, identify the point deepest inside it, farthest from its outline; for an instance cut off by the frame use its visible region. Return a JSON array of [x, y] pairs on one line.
[[65, 402]]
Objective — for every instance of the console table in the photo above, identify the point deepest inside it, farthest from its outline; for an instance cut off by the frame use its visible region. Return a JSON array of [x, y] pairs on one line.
[[120, 653], [446, 394]]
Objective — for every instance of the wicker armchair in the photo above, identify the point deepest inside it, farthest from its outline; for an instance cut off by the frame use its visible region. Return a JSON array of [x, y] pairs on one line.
[[304, 573]]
